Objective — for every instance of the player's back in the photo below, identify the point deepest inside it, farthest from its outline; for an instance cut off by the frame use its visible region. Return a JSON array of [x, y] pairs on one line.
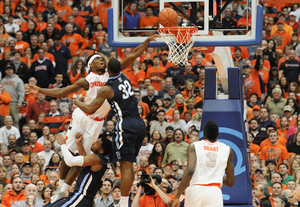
[[124, 102], [211, 162], [96, 82]]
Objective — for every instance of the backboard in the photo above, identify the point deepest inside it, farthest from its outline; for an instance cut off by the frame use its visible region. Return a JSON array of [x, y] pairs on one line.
[[206, 14]]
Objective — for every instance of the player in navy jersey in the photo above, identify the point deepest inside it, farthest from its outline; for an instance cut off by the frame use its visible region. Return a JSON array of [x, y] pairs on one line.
[[94, 167], [130, 128]]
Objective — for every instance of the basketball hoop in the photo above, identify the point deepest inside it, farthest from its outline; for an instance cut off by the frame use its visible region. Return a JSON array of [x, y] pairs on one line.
[[179, 40]]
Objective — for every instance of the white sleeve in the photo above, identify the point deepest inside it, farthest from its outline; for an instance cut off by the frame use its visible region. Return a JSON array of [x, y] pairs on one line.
[[70, 159]]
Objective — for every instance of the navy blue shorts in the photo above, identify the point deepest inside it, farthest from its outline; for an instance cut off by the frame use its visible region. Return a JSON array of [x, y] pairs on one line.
[[75, 199], [130, 132]]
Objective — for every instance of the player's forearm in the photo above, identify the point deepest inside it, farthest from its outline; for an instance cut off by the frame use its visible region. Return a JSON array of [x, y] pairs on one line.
[[86, 108], [228, 181], [81, 150], [70, 159]]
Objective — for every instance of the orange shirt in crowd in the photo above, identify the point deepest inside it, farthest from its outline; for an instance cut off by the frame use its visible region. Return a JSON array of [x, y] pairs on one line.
[[275, 152], [73, 78], [75, 40], [266, 142], [29, 99], [148, 22], [286, 27], [36, 148], [101, 12], [285, 37], [291, 121], [5, 100], [145, 107], [244, 54], [80, 22], [254, 148], [11, 197], [169, 115], [156, 71], [66, 9], [134, 78], [266, 63], [282, 133], [25, 60], [21, 46], [252, 84]]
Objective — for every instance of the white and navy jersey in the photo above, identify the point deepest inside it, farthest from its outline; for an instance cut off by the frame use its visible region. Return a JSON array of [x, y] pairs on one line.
[[88, 181], [96, 82], [124, 103], [212, 158]]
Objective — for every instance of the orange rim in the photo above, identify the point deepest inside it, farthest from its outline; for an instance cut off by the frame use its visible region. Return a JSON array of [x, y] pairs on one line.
[[182, 34]]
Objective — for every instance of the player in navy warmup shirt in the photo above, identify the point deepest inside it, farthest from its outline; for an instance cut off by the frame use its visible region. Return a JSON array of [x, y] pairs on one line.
[[90, 179], [130, 129]]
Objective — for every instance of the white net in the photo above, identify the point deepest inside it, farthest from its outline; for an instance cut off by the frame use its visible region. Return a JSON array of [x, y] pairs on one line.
[[179, 41]]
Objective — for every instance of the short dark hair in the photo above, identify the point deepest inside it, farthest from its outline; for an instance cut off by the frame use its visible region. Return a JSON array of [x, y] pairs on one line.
[[106, 146], [211, 130], [246, 66], [114, 66], [161, 110], [32, 132], [284, 165], [111, 182], [270, 161], [159, 168]]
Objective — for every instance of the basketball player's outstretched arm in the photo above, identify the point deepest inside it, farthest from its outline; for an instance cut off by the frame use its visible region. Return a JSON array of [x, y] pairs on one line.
[[229, 178], [188, 174], [137, 52], [59, 92], [104, 93]]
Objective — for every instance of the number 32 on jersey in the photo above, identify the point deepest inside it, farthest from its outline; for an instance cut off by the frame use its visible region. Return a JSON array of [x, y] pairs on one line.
[[126, 89]]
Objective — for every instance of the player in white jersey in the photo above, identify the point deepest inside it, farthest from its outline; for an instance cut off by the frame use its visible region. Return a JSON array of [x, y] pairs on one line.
[[89, 125], [208, 160]]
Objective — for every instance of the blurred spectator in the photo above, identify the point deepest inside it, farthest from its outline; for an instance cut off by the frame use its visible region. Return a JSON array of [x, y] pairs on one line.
[[276, 104], [160, 124], [54, 119], [21, 69], [26, 151], [7, 130], [149, 21], [16, 90], [145, 149], [11, 27], [37, 107], [105, 199], [30, 192], [16, 194], [27, 171], [35, 147], [42, 69], [47, 152], [12, 143], [176, 149], [5, 100]]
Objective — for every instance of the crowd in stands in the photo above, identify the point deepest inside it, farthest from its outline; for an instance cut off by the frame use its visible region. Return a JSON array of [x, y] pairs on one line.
[[41, 43]]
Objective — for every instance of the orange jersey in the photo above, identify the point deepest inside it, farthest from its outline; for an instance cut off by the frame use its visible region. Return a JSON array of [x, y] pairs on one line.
[[169, 64], [101, 12], [77, 94], [148, 22], [80, 22], [254, 148], [252, 84], [74, 41], [99, 38], [275, 152], [21, 46], [286, 27], [193, 113], [243, 21], [266, 63], [160, 72], [282, 141]]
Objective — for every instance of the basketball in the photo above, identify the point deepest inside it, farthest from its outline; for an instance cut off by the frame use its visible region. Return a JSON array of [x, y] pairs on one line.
[[168, 17]]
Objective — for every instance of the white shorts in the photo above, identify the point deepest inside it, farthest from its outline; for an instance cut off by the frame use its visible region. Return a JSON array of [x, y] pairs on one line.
[[89, 128], [203, 196]]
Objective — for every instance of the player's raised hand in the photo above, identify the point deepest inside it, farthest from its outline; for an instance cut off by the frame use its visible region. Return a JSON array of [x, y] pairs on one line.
[[31, 89], [60, 139], [78, 137], [103, 57], [153, 37]]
